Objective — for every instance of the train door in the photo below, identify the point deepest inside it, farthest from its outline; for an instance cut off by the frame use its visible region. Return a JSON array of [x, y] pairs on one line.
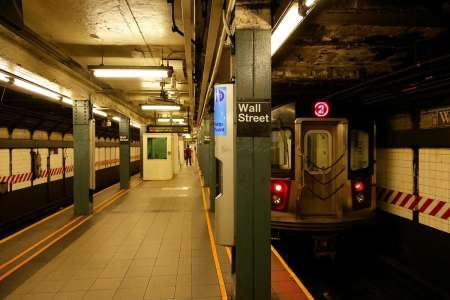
[[322, 172]]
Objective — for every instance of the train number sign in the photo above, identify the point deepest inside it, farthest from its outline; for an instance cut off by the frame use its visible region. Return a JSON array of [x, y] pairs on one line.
[[321, 109]]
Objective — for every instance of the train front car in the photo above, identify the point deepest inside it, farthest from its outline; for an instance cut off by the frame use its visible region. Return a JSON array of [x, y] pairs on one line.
[[322, 175]]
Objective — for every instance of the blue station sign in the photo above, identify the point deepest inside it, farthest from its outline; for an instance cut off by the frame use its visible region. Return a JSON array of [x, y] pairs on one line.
[[220, 110]]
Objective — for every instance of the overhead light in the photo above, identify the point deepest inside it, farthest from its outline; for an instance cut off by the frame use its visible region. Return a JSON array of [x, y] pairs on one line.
[[67, 100], [186, 135], [159, 107], [4, 77], [131, 72], [151, 85], [36, 89], [286, 26], [99, 112], [163, 120], [117, 119], [135, 125], [309, 3], [180, 121]]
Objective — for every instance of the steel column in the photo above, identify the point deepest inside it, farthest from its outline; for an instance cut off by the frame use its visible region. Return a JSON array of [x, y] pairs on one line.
[[253, 82], [124, 138], [143, 130], [81, 153]]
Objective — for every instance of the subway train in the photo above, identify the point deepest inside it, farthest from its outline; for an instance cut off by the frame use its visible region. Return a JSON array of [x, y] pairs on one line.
[[322, 172]]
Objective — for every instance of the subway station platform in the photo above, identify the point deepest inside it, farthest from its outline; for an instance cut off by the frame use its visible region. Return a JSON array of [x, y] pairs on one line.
[[153, 241]]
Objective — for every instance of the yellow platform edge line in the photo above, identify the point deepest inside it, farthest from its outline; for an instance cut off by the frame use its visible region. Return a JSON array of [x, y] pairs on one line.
[[101, 205], [212, 240], [9, 237], [289, 270]]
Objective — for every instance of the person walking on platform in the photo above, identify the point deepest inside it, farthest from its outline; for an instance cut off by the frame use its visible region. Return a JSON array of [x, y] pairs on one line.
[[188, 155]]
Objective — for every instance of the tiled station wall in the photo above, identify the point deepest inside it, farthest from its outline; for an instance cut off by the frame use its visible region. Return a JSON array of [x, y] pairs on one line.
[[399, 192], [52, 165]]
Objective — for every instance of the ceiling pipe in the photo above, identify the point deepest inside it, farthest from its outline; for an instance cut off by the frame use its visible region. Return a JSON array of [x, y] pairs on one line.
[[205, 100], [211, 42], [186, 6]]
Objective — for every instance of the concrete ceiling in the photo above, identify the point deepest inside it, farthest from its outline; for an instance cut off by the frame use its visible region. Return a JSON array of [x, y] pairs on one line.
[[353, 41], [115, 32]]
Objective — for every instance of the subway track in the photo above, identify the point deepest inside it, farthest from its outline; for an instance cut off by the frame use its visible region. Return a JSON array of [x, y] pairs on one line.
[[356, 272]]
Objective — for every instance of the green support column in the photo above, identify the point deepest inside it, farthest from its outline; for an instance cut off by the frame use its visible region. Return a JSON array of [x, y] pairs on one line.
[[82, 157], [124, 137], [142, 131], [253, 83]]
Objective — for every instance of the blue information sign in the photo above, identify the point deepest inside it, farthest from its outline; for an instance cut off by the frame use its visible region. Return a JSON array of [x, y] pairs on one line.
[[220, 111]]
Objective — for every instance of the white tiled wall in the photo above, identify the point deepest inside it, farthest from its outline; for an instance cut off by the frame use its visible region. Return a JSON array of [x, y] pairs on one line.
[[97, 158], [21, 134], [21, 164], [434, 173], [395, 169], [4, 165], [43, 152], [106, 156], [56, 163], [69, 160], [4, 134], [434, 178]]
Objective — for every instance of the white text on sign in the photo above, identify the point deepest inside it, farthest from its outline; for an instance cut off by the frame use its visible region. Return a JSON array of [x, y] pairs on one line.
[[246, 111]]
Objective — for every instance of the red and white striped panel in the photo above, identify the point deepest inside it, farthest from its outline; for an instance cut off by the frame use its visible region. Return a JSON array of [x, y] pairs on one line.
[[426, 206]]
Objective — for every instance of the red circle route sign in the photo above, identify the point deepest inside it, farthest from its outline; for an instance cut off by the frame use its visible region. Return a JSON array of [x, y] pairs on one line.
[[321, 109]]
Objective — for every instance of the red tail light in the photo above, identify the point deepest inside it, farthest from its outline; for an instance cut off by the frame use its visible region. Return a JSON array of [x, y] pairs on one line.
[[358, 186], [278, 187], [280, 194]]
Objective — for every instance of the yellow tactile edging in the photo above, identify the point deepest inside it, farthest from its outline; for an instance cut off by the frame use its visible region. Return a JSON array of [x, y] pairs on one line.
[[292, 274], [82, 219], [212, 241]]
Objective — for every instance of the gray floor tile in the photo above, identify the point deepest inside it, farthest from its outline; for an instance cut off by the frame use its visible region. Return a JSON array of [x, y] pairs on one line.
[[160, 292], [199, 291], [99, 295], [163, 280], [106, 284], [153, 244], [134, 282], [69, 295], [74, 285], [129, 294]]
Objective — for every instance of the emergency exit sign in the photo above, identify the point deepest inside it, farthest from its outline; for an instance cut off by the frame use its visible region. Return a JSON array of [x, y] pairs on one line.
[[253, 118]]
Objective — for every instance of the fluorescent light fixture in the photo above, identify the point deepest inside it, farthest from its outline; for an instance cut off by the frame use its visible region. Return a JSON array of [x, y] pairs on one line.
[[135, 125], [309, 3], [99, 112], [151, 85], [163, 120], [179, 121], [131, 72], [117, 119], [36, 89], [4, 77], [285, 27], [67, 100], [160, 107]]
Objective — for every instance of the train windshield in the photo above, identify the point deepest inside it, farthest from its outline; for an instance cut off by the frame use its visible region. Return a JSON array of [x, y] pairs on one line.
[[281, 149], [359, 150], [318, 147]]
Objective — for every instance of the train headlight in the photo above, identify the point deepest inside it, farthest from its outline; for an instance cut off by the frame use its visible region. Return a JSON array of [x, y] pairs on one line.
[[360, 198], [276, 200]]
